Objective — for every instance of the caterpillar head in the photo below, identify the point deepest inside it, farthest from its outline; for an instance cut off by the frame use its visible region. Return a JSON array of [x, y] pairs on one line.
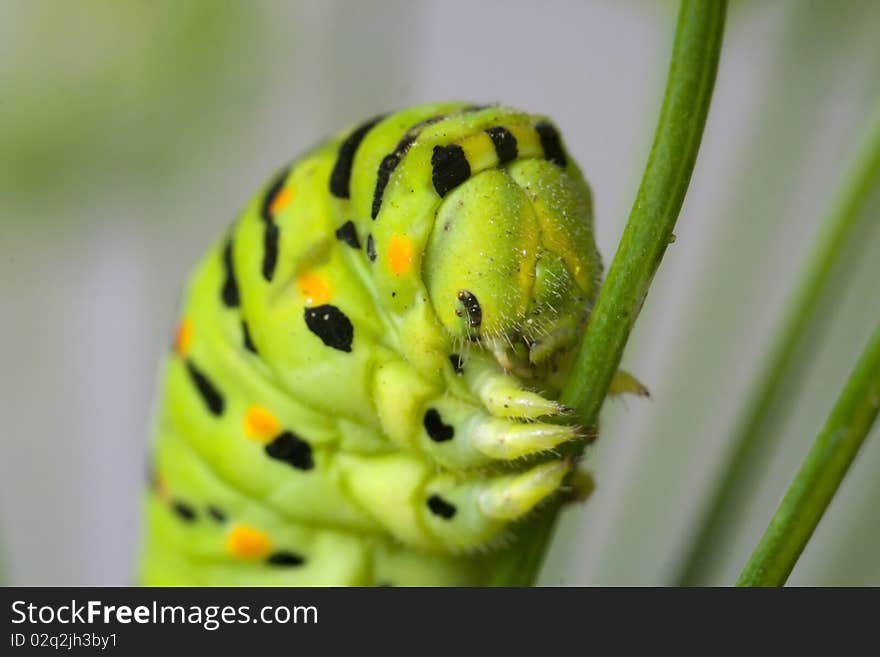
[[512, 263]]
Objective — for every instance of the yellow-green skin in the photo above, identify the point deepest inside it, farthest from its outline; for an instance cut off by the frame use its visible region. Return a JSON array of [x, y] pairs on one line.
[[358, 403]]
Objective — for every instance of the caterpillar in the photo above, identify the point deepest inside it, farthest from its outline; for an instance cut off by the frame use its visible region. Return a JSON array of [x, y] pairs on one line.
[[362, 385]]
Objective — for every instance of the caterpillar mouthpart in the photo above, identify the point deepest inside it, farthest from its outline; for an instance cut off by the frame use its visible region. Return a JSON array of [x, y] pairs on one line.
[[502, 268], [562, 337]]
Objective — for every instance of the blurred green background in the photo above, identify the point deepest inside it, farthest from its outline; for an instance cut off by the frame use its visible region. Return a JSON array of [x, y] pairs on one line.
[[132, 132]]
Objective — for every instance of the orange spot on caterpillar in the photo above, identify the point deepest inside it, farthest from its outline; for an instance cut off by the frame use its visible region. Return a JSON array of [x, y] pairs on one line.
[[400, 254], [260, 424], [162, 491], [281, 200], [244, 542], [315, 289], [183, 337]]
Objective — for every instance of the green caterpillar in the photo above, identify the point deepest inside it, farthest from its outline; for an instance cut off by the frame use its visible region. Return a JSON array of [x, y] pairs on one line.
[[352, 398]]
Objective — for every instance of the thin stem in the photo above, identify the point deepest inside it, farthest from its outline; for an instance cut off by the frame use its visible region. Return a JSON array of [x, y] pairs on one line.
[[820, 474], [647, 234], [780, 373]]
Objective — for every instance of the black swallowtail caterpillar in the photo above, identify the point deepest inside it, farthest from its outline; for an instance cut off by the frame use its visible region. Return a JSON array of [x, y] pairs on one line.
[[361, 390]]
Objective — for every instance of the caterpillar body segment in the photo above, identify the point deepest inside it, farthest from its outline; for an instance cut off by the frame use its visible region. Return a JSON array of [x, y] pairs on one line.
[[362, 386]]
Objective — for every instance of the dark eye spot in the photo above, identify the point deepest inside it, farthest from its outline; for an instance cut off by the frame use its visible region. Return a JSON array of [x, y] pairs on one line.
[[441, 507], [247, 341], [291, 449], [505, 144], [341, 174], [450, 168], [457, 363], [271, 233], [184, 511], [347, 233], [229, 293], [386, 168], [437, 430], [216, 514], [270, 250], [208, 391], [551, 144], [471, 308], [331, 325], [285, 559]]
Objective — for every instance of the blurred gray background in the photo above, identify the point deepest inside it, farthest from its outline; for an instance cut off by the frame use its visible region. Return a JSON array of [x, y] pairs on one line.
[[132, 133]]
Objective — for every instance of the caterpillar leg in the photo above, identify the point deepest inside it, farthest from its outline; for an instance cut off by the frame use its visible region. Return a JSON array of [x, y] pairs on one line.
[[448, 511], [459, 431], [503, 395], [471, 514]]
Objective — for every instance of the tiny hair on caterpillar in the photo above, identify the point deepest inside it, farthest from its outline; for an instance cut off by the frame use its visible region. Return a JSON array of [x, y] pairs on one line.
[[362, 386]]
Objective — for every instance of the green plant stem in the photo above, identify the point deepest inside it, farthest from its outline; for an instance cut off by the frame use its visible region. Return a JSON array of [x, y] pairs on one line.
[[647, 234], [820, 474], [780, 373]]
